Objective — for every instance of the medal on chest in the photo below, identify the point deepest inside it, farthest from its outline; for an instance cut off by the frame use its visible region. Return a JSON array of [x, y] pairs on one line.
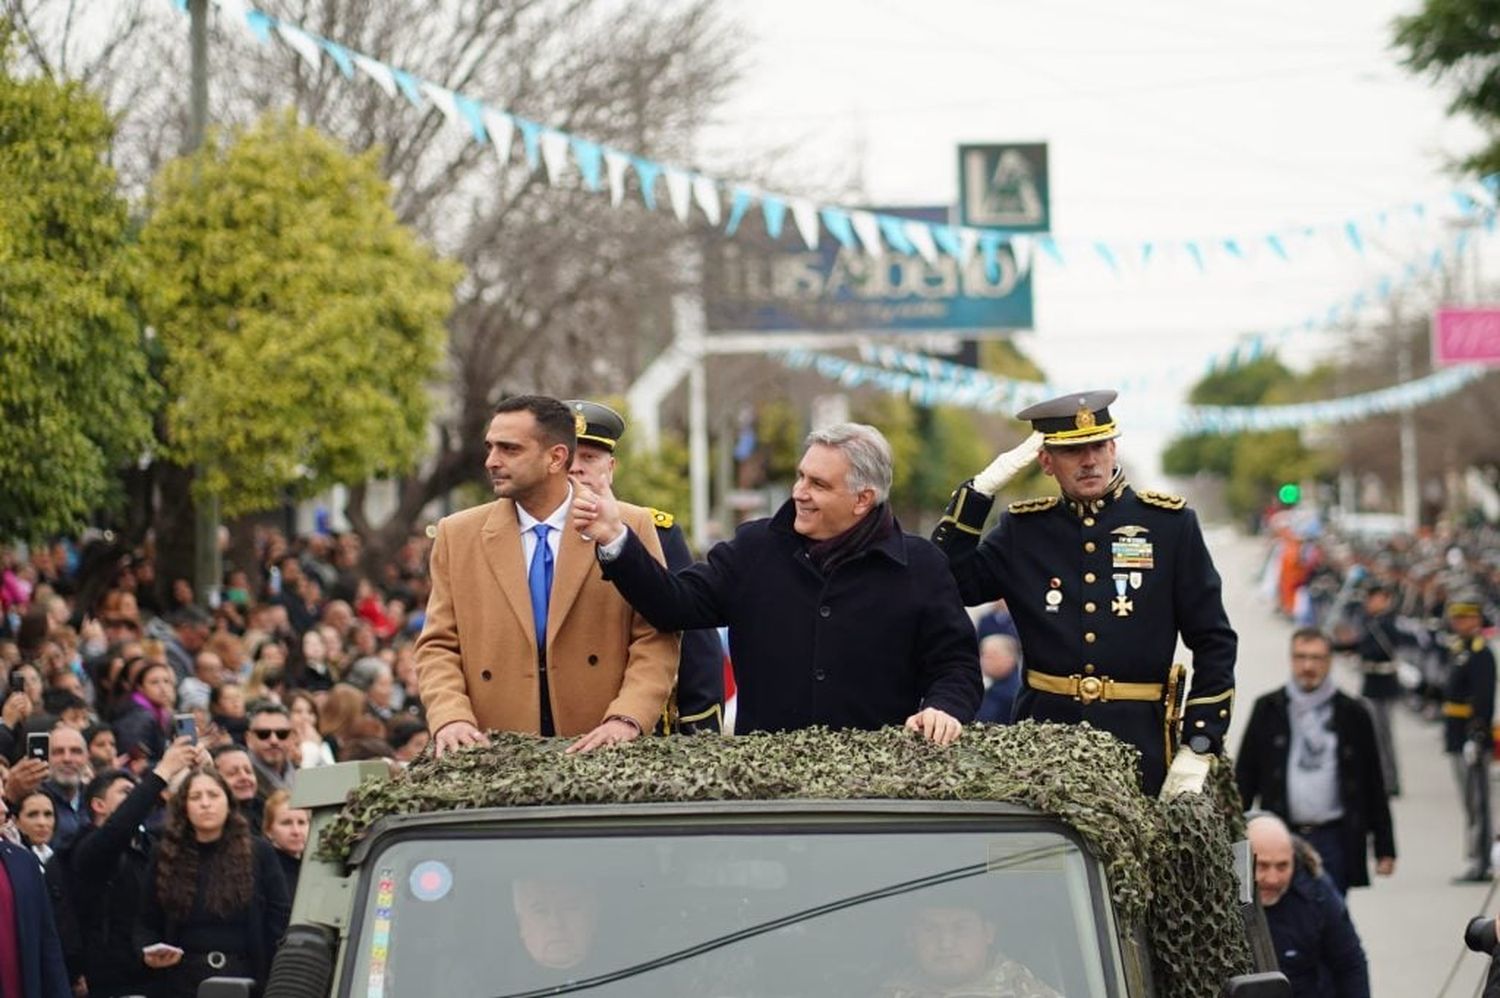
[[1120, 606], [1054, 595]]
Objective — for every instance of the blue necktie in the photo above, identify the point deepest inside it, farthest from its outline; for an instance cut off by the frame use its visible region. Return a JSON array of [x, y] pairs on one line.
[[540, 581]]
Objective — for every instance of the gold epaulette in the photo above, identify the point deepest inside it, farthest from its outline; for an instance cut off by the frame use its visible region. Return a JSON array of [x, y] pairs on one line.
[[661, 518], [1476, 645], [1163, 499], [1034, 505]]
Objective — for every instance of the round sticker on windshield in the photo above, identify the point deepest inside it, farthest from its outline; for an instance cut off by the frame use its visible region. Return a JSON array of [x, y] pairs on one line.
[[431, 880]]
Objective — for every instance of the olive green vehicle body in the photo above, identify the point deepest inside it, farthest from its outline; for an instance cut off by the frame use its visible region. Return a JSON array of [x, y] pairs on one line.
[[338, 896]]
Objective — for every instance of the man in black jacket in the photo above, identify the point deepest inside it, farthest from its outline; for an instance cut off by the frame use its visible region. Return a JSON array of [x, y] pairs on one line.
[[1379, 635], [1309, 756], [106, 871], [1316, 945], [836, 617]]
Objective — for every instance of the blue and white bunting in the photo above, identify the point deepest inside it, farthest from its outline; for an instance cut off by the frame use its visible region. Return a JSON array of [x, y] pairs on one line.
[[1474, 201]]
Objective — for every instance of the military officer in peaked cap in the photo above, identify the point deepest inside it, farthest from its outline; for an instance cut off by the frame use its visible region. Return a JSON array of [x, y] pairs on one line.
[[1101, 580], [698, 702], [1468, 726]]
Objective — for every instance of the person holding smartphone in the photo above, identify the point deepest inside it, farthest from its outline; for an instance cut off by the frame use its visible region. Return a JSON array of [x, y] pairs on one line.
[[216, 900]]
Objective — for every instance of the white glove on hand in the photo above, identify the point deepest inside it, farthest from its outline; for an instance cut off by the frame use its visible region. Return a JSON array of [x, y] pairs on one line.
[[1007, 465], [1186, 774]]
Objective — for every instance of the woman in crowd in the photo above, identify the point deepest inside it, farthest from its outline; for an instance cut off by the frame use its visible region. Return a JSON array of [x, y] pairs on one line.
[[226, 708], [36, 820], [310, 666], [345, 718], [215, 894], [267, 682], [142, 728], [286, 830], [316, 750]]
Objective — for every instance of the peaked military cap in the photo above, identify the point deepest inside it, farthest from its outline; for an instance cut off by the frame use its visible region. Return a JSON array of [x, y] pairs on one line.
[[1080, 418], [597, 424], [1465, 603]]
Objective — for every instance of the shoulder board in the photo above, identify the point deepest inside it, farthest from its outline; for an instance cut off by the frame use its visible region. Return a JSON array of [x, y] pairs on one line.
[[1034, 505], [661, 518], [1477, 645], [1165, 500]]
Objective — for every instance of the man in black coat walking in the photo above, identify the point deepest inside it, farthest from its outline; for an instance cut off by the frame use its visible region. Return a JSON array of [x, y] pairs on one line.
[[836, 617], [1309, 756]]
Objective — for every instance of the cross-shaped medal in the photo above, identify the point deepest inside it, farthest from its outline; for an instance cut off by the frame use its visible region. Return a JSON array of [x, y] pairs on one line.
[[1121, 606]]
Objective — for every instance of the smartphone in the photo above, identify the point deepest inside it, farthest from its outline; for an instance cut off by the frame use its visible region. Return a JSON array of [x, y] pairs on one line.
[[185, 725], [18, 682], [38, 745]]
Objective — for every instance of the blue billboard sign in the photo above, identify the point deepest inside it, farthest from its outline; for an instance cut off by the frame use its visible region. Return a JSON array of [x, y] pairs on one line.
[[760, 285]]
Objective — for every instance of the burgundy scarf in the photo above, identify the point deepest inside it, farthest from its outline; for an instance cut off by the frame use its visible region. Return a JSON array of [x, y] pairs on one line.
[[874, 527]]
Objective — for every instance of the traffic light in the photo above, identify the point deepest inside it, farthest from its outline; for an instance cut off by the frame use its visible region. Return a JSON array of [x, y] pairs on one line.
[[1289, 493]]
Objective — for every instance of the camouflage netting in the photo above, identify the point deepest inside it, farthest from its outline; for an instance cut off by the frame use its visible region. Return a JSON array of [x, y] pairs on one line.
[[1169, 864]]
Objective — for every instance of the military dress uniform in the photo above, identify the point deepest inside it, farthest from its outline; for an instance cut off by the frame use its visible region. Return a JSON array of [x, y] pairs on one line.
[[1100, 590], [697, 702], [1468, 716]]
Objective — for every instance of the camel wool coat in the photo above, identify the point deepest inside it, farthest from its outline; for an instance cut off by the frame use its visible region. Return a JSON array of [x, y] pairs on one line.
[[477, 654]]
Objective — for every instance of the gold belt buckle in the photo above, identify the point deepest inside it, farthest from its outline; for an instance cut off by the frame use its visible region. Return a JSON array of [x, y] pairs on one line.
[[1090, 688]]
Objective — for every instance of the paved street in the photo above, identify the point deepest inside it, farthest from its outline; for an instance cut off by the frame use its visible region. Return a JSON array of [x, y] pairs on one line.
[[1412, 923]]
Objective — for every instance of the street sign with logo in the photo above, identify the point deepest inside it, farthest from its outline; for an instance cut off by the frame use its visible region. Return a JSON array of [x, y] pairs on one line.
[[760, 284], [1466, 336], [1004, 186]]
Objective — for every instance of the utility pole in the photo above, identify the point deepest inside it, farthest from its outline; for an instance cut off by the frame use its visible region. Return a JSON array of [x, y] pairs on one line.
[[207, 565]]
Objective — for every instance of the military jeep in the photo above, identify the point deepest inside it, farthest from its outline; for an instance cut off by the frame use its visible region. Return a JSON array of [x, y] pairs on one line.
[[809, 864]]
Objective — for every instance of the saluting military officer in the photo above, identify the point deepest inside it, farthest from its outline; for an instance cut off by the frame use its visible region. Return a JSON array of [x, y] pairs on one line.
[[698, 702], [1468, 716], [1101, 580]]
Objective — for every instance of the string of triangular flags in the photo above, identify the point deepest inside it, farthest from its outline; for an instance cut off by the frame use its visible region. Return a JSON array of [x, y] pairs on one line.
[[1425, 266], [725, 204], [929, 381]]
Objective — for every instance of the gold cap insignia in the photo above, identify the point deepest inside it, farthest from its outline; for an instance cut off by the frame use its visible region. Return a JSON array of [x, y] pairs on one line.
[[1084, 420], [580, 425]]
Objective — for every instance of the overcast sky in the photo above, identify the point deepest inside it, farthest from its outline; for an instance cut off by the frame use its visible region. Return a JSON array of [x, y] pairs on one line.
[[1167, 120]]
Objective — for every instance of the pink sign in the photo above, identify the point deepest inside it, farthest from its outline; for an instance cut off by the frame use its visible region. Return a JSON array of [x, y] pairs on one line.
[[1466, 336]]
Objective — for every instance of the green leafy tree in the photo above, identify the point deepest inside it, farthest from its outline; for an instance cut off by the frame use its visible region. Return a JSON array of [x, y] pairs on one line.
[[75, 392], [1457, 42], [302, 323], [1243, 384], [1253, 465]]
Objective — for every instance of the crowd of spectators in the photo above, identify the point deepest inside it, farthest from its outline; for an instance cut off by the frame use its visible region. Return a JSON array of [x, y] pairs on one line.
[[149, 742]]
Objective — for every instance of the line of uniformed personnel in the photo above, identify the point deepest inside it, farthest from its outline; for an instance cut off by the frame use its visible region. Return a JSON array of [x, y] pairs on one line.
[[835, 615]]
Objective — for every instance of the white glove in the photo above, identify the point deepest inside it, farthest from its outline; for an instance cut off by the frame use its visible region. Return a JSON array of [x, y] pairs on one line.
[[1186, 774], [1005, 467]]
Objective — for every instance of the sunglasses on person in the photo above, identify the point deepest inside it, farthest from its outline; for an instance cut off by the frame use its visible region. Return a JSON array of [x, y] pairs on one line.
[[280, 734]]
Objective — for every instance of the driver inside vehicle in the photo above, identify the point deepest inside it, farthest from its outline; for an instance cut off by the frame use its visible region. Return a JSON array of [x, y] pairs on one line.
[[557, 920], [956, 957]]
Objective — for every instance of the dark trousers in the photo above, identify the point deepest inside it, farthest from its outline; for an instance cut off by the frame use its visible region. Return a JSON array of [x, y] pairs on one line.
[[1328, 840]]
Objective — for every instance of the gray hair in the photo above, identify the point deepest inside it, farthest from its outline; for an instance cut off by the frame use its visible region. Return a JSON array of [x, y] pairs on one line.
[[868, 452], [363, 673]]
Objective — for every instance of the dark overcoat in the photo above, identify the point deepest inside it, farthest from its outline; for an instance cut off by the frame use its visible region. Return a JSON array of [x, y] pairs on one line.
[[865, 647], [1260, 771]]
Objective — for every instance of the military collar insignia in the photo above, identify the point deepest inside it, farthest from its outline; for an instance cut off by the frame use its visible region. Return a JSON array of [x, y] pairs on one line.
[[1089, 507]]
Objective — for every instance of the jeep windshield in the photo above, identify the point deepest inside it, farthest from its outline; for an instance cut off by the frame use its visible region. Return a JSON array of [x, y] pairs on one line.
[[724, 905]]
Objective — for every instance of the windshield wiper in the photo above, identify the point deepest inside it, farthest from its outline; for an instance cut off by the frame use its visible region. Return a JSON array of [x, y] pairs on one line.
[[806, 914]]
